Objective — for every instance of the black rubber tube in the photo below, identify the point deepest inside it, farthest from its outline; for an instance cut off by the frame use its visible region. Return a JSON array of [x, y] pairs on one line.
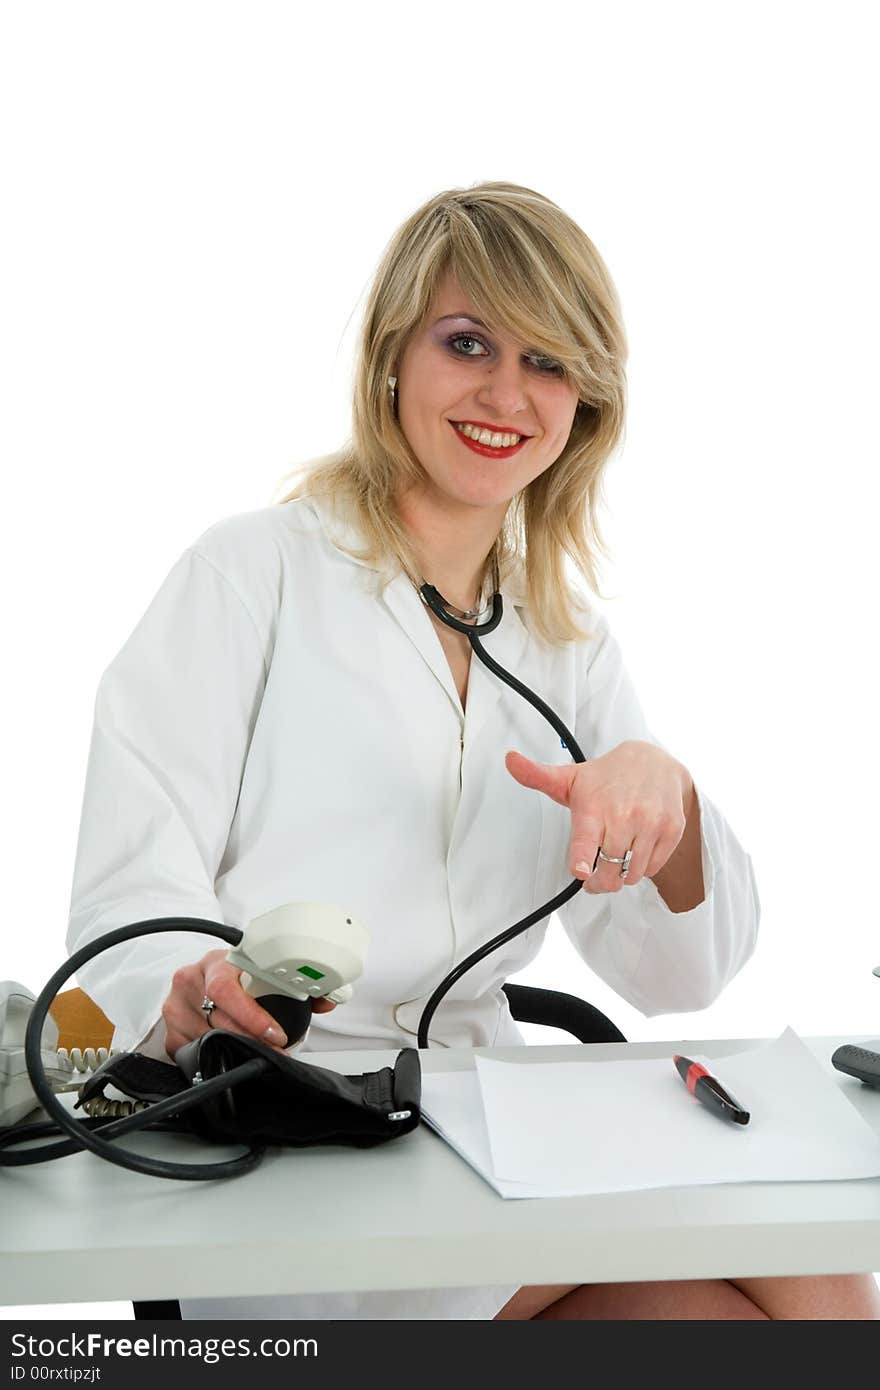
[[88, 1138], [436, 603]]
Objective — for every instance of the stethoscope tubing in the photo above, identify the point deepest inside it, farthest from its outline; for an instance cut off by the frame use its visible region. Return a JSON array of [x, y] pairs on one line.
[[437, 604]]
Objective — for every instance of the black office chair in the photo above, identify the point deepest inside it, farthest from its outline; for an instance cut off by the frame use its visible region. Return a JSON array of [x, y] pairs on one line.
[[548, 1007]]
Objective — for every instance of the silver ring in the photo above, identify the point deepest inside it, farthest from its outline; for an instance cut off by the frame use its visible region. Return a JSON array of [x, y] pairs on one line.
[[208, 1007], [609, 859]]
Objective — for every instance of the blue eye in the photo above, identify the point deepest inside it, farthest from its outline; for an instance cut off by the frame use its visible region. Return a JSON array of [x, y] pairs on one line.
[[464, 337], [551, 369]]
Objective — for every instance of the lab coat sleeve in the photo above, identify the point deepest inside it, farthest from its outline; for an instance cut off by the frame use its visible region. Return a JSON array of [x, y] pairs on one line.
[[658, 960], [173, 718]]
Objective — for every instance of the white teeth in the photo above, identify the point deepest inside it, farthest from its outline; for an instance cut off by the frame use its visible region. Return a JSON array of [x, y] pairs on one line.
[[495, 441]]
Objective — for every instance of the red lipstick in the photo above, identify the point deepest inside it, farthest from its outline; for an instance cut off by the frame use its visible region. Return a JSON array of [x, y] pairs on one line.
[[486, 449]]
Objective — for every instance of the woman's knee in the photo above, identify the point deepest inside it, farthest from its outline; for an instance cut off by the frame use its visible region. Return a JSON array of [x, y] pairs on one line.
[[528, 1301], [652, 1300], [830, 1297]]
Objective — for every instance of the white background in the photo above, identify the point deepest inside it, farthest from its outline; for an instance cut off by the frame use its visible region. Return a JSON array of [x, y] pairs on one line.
[[196, 197]]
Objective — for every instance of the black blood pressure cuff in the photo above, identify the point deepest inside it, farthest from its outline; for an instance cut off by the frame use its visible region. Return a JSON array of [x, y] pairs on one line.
[[291, 1102]]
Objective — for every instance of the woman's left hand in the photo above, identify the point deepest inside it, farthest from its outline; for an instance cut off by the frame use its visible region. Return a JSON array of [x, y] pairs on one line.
[[636, 797]]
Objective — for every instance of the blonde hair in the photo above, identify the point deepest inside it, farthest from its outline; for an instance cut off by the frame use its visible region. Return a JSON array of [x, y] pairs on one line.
[[532, 272]]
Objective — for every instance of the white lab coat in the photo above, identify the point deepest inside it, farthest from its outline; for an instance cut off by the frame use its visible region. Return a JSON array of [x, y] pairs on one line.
[[282, 725]]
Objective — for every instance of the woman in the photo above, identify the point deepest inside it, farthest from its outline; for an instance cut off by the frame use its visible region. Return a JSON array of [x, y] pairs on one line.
[[289, 722]]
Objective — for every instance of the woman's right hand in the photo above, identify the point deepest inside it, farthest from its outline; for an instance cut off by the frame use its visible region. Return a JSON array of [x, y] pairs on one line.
[[235, 1011]]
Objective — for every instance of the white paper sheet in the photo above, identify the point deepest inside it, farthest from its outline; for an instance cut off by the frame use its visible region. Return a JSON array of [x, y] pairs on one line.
[[561, 1129]]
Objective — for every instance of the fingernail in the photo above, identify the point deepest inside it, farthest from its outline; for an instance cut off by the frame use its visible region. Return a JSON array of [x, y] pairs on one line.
[[275, 1035], [583, 867]]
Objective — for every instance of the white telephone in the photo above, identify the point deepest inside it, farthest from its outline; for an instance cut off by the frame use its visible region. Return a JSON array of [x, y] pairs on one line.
[[66, 1070]]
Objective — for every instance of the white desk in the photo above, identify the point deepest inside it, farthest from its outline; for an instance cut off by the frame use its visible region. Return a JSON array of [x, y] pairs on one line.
[[409, 1214]]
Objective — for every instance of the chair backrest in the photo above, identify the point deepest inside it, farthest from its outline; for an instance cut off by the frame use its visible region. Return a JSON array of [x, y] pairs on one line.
[[556, 1010], [80, 1022]]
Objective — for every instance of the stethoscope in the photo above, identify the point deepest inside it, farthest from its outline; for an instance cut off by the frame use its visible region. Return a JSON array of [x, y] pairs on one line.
[[473, 631]]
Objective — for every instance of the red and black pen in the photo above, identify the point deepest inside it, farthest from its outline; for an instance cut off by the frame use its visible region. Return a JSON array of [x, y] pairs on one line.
[[710, 1091]]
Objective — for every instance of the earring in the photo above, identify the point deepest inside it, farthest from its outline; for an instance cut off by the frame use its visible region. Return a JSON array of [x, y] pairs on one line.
[[392, 388]]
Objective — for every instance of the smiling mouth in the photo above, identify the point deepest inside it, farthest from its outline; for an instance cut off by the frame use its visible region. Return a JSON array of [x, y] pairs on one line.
[[487, 450]]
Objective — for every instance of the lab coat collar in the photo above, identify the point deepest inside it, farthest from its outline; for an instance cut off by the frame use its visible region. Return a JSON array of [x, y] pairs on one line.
[[507, 644], [338, 524]]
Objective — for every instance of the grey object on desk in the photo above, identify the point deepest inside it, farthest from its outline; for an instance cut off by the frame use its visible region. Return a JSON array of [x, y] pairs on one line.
[[862, 1062]]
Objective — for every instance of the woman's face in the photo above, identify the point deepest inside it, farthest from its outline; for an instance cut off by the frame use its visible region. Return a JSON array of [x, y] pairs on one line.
[[455, 370]]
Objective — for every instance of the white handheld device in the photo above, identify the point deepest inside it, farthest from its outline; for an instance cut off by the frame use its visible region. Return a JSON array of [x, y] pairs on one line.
[[296, 953]]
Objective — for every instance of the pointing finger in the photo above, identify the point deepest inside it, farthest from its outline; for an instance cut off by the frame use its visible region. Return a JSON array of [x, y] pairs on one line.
[[554, 782]]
